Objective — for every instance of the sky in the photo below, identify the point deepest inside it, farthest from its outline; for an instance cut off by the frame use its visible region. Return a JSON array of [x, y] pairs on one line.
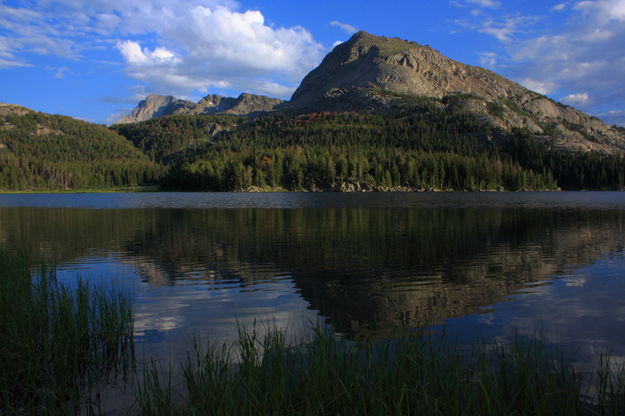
[[96, 59]]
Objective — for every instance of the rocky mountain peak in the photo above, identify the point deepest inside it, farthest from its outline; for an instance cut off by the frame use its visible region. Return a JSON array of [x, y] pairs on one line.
[[153, 106], [375, 73], [399, 66], [250, 103], [157, 106]]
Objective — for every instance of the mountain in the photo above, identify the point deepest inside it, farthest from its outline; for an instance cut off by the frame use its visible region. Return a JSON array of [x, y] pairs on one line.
[[378, 114], [374, 73], [382, 75], [157, 106], [41, 151], [162, 137], [243, 104], [382, 114]]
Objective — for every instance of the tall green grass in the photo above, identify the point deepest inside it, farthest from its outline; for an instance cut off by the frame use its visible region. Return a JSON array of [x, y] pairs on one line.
[[265, 375], [57, 344]]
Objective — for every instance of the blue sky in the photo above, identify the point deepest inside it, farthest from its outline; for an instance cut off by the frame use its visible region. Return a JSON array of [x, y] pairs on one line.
[[95, 59]]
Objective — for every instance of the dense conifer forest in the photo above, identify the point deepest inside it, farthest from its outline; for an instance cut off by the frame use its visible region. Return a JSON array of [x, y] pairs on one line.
[[425, 149], [420, 148], [44, 152]]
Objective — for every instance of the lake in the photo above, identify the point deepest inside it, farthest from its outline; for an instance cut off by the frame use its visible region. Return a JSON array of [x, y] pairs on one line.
[[472, 265]]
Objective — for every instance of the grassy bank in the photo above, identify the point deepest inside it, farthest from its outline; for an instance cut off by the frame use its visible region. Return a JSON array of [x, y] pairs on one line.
[[58, 344], [321, 376]]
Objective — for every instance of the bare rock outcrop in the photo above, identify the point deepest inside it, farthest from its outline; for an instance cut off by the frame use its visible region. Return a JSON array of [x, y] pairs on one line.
[[374, 73], [13, 109], [157, 106]]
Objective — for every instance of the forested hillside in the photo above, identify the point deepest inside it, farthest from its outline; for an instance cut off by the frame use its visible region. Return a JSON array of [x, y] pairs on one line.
[[418, 149], [424, 146], [161, 137], [378, 114], [44, 152]]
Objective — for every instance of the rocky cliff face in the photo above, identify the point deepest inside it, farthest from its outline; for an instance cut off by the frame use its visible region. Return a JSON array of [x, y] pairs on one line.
[[211, 104], [157, 106], [373, 73], [250, 103]]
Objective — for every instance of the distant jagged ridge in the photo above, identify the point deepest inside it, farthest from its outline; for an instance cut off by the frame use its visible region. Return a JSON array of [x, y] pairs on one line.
[[158, 105], [374, 73]]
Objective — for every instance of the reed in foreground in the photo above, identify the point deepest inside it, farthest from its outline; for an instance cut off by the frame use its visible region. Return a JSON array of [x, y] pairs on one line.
[[265, 375], [58, 343]]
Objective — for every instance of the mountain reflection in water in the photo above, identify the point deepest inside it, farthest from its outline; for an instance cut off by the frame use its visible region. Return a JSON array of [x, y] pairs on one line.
[[363, 270]]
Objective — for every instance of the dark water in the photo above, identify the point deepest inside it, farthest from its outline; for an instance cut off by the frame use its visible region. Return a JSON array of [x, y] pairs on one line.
[[473, 265]]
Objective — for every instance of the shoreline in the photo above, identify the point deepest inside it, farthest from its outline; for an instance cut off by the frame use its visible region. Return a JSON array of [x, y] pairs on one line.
[[272, 191], [125, 189]]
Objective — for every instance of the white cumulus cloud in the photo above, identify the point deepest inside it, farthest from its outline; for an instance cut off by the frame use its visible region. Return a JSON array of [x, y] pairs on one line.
[[603, 10], [135, 56], [347, 28], [503, 28], [586, 54], [541, 87], [488, 59], [171, 47], [580, 98], [220, 48], [616, 117]]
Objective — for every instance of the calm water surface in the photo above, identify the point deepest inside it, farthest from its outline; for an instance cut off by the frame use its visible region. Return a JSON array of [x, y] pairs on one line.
[[475, 265]]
